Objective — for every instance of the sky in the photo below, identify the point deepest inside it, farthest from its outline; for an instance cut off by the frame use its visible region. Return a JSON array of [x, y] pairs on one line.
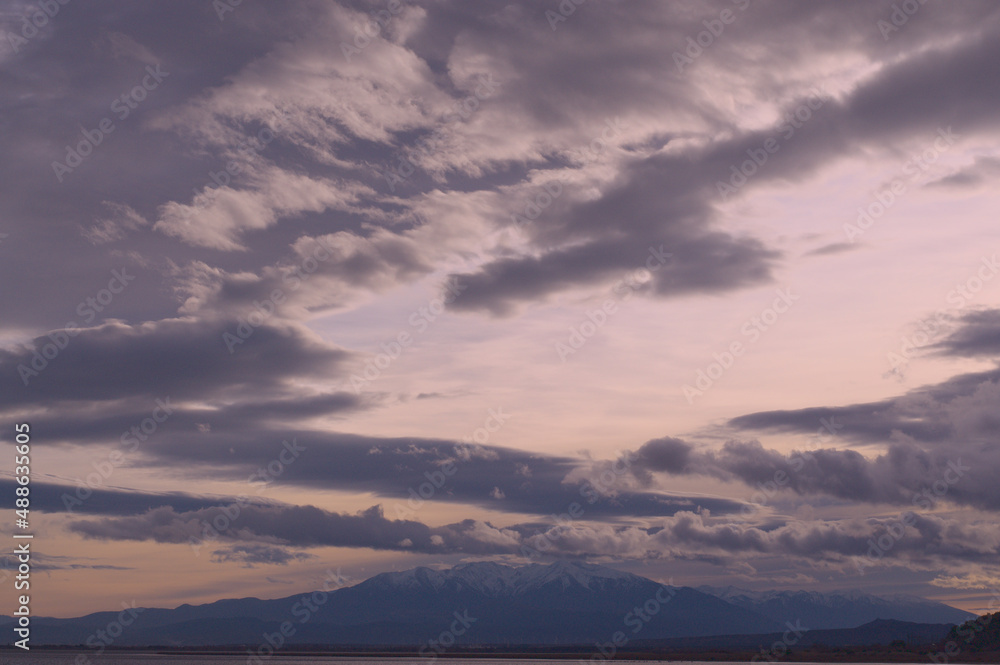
[[705, 291]]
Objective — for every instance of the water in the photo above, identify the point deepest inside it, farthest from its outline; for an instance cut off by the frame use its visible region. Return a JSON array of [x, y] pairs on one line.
[[70, 658]]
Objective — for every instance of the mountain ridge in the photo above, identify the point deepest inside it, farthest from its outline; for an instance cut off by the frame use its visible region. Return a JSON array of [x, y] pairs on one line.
[[840, 608], [560, 603]]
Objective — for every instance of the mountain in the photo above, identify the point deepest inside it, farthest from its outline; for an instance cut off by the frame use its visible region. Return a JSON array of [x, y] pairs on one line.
[[476, 603], [565, 603], [839, 609], [879, 632], [980, 634]]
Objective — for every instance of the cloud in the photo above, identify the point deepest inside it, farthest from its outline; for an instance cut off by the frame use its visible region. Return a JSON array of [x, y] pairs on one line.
[[217, 217], [937, 442], [319, 274], [50, 562], [668, 455], [182, 358], [953, 410], [301, 526], [123, 219], [250, 555], [906, 473], [124, 46], [977, 334], [406, 471], [833, 248], [982, 170], [98, 498], [263, 534]]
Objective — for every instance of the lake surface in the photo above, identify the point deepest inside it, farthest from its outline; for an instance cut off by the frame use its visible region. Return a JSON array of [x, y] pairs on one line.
[[70, 658]]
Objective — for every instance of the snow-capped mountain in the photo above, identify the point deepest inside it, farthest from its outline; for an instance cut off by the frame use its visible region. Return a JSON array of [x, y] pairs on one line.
[[560, 603], [838, 609], [563, 603]]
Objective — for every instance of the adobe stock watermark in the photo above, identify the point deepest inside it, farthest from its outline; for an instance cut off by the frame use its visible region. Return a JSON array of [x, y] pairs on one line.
[[900, 16], [246, 151], [472, 447], [262, 478], [714, 28], [549, 192], [223, 7], [596, 318], [602, 485], [31, 24], [265, 475], [636, 619], [122, 106], [372, 28], [266, 308], [104, 637], [887, 197], [88, 308], [420, 319], [925, 499], [434, 647], [599, 144], [968, 631], [303, 609], [794, 120], [780, 648], [130, 441], [931, 328], [780, 479], [566, 9], [463, 110], [752, 328]]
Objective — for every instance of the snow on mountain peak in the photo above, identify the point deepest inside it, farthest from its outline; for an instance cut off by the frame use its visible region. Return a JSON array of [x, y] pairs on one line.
[[501, 579]]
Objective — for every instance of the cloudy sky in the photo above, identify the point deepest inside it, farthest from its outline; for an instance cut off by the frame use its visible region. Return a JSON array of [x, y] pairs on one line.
[[702, 290]]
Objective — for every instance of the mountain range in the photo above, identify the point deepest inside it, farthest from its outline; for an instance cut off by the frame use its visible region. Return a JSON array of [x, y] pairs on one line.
[[489, 603], [839, 609]]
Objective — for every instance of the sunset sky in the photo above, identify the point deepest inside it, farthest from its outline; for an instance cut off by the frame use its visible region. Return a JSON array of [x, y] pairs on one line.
[[724, 275]]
